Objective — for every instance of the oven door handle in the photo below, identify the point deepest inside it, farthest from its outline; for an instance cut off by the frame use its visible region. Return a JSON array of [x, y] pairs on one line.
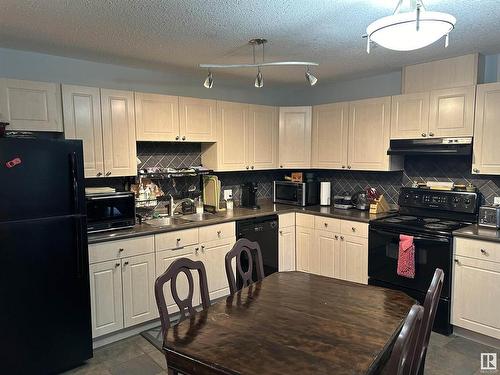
[[415, 238]]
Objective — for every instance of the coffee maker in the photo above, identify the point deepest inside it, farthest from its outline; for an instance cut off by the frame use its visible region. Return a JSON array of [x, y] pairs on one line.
[[249, 195]]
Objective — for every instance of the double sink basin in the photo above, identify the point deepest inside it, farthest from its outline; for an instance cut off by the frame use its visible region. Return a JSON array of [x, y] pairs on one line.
[[178, 220]]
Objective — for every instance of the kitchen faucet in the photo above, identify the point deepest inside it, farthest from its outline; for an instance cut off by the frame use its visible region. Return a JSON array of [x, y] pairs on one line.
[[174, 206]]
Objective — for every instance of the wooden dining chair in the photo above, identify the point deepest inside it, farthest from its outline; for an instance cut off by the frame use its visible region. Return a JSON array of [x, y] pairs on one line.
[[430, 307], [254, 256], [185, 306], [403, 353]]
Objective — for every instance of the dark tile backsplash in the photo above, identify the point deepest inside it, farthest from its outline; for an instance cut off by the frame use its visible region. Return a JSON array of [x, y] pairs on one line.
[[421, 168]]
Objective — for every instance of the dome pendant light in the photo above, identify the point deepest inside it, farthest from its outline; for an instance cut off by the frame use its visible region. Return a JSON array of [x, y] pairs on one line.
[[408, 31], [209, 81]]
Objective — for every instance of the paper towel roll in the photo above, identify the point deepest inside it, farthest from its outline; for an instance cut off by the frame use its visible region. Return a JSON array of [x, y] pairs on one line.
[[325, 194]]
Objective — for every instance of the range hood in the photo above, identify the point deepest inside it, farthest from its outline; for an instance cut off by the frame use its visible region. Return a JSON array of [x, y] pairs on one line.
[[431, 146]]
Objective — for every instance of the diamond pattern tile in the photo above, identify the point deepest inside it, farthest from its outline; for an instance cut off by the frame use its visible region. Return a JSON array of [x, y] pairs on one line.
[[417, 168]]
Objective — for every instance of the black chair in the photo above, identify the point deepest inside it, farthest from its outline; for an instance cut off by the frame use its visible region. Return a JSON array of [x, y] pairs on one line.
[[403, 353], [430, 308], [253, 254], [186, 308]]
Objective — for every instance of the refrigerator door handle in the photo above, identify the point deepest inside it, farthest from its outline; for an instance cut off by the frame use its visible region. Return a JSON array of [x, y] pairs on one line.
[[79, 247], [74, 177]]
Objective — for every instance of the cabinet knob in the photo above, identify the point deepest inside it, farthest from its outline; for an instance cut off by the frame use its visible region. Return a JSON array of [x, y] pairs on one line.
[[117, 265], [108, 173], [196, 249], [348, 167], [353, 229], [343, 167], [120, 249], [177, 138], [251, 167], [431, 134], [218, 233], [281, 232], [99, 174], [125, 264], [342, 238], [484, 252], [203, 248], [326, 224], [281, 166], [457, 261], [178, 240], [183, 138], [475, 170], [248, 167], [424, 135], [336, 237]]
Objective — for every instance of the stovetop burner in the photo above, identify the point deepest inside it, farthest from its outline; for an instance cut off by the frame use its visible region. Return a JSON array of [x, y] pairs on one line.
[[428, 224], [437, 226], [407, 218], [430, 219]]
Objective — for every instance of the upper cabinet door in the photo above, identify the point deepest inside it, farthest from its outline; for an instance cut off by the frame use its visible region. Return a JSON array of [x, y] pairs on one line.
[[197, 119], [82, 120], [30, 105], [262, 137], [157, 117], [295, 137], [330, 135], [369, 128], [452, 112], [410, 116], [232, 136], [118, 129], [486, 158]]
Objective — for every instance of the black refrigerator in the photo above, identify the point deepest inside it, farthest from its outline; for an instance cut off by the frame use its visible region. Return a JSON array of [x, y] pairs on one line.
[[45, 324]]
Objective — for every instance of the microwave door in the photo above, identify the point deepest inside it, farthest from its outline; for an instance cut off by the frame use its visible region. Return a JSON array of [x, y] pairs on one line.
[[286, 193]]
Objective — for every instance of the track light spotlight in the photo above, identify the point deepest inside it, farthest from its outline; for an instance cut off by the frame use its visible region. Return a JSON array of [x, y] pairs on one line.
[[209, 81], [259, 80], [311, 78]]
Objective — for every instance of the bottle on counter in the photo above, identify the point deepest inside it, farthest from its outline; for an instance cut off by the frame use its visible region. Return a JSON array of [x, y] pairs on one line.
[[198, 202]]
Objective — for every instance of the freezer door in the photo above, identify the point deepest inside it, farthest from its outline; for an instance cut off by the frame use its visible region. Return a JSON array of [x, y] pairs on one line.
[[45, 297], [40, 178]]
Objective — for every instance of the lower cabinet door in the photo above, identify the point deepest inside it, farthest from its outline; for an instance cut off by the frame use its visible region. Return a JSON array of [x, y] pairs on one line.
[[139, 303], [304, 242], [354, 259], [286, 250], [106, 297], [327, 253], [163, 260], [213, 254], [476, 296]]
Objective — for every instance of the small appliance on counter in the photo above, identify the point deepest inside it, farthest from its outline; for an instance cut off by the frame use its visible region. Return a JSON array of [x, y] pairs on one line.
[[110, 211], [360, 201], [249, 196], [325, 193], [343, 201], [489, 216], [296, 193]]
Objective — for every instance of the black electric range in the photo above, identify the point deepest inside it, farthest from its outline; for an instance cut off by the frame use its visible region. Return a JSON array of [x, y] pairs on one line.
[[430, 217]]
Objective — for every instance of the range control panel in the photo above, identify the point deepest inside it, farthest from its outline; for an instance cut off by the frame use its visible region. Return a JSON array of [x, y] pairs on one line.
[[456, 201]]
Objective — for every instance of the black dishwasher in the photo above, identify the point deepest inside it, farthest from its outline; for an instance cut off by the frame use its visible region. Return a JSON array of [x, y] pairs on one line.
[[264, 231]]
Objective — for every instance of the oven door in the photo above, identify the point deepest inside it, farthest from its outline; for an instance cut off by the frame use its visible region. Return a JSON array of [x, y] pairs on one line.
[[289, 193], [105, 212], [431, 252]]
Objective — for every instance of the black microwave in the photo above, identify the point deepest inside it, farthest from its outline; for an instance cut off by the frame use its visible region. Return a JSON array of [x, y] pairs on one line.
[[109, 211], [296, 193]]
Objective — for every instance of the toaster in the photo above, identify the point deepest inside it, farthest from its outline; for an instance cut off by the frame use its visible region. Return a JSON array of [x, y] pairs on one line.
[[489, 216]]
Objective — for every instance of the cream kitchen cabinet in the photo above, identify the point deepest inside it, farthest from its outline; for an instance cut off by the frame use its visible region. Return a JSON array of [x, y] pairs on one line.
[[82, 120], [353, 259], [330, 135], [327, 246], [286, 242], [262, 137], [486, 158], [197, 119], [106, 297], [295, 137], [30, 105], [305, 250], [476, 286], [369, 136], [118, 130], [247, 138], [156, 117], [452, 112], [410, 116]]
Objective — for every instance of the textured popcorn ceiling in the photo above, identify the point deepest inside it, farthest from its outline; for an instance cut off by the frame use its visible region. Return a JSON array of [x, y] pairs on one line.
[[181, 34]]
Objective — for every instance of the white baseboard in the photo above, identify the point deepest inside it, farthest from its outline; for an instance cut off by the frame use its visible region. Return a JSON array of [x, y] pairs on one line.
[[474, 336], [124, 333]]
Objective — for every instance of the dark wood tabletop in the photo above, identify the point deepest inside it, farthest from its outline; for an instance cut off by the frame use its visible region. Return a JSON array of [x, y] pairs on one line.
[[291, 323]]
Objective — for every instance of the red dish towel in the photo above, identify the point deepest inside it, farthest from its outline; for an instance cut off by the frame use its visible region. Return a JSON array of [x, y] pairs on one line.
[[406, 258]]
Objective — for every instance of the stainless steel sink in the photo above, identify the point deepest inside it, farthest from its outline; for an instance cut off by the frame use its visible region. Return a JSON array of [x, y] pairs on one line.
[[166, 221], [199, 217]]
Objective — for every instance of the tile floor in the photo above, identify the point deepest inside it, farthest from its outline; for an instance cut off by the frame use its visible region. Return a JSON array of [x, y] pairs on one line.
[[136, 356]]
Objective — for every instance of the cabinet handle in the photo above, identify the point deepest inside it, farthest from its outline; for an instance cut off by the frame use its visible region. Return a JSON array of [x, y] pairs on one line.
[[353, 229], [178, 240], [326, 224], [117, 265], [342, 238], [336, 237], [475, 170], [125, 264], [120, 250], [218, 233], [424, 135], [196, 249], [431, 134], [183, 138], [251, 167], [348, 167], [248, 167], [99, 174], [343, 167], [203, 248], [484, 252], [177, 138], [281, 166], [108, 173], [457, 261], [281, 232]]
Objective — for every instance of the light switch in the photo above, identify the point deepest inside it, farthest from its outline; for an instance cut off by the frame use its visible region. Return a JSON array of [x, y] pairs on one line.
[[496, 200]]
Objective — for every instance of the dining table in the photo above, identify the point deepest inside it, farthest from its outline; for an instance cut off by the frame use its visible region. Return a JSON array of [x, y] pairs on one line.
[[290, 323]]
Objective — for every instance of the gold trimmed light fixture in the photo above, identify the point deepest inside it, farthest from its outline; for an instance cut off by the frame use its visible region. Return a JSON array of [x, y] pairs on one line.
[[259, 79], [411, 30]]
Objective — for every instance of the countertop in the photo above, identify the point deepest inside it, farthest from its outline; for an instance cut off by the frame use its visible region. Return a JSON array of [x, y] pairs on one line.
[[266, 208], [478, 233]]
